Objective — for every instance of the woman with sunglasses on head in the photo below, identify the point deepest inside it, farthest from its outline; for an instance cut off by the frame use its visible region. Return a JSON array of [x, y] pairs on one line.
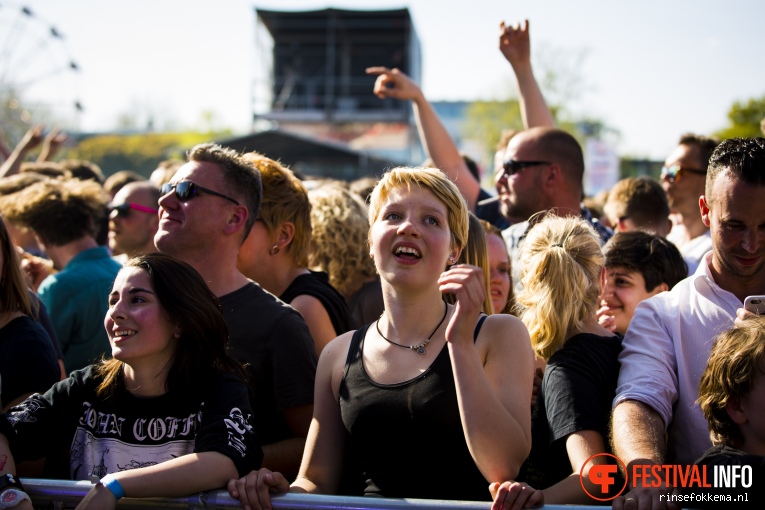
[[432, 400], [167, 416], [275, 254]]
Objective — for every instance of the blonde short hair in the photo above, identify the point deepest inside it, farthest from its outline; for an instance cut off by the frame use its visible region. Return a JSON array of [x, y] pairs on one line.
[[284, 199], [434, 181], [736, 359], [562, 262]]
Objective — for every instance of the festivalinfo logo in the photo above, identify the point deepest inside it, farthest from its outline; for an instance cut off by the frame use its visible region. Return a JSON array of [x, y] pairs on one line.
[[603, 476]]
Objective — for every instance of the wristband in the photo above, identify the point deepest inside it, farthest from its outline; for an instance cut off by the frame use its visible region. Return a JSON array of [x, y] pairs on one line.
[[114, 486]]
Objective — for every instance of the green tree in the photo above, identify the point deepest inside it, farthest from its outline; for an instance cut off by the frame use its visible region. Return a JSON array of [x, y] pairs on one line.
[[140, 152], [744, 118]]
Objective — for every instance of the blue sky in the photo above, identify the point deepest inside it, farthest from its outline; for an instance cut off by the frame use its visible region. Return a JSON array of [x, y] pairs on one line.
[[652, 69]]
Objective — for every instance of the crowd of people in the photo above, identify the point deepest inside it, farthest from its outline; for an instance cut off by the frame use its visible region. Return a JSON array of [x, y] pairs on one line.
[[225, 324]]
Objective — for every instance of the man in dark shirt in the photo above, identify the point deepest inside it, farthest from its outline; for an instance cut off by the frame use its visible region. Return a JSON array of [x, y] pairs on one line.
[[206, 212]]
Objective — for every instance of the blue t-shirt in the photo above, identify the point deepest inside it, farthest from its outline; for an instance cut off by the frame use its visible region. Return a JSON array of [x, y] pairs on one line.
[[77, 299]]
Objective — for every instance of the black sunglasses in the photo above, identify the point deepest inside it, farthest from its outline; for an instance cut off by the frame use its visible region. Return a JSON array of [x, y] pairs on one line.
[[512, 166], [186, 190], [123, 210]]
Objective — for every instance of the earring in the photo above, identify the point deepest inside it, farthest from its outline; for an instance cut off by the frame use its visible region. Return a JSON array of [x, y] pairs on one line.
[[274, 250], [371, 255], [451, 260], [177, 334]]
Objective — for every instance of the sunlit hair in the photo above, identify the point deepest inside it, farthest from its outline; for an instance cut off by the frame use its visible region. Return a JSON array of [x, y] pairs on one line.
[[641, 200], [165, 171], [47, 168], [284, 200], [734, 363], [430, 179], [491, 230], [363, 187], [339, 241], [59, 212], [17, 182], [704, 144], [241, 179], [189, 304], [744, 158], [83, 170], [14, 295], [118, 180], [561, 270], [476, 254]]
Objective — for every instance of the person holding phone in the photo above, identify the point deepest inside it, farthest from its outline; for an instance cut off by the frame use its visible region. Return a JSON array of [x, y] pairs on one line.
[[667, 344]]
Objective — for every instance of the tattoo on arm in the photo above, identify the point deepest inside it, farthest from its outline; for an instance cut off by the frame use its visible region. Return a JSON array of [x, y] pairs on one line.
[[3, 461]]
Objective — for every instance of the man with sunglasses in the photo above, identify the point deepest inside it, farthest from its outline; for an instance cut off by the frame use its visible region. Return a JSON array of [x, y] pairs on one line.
[[683, 178], [133, 220], [542, 172], [438, 144], [206, 212], [656, 419]]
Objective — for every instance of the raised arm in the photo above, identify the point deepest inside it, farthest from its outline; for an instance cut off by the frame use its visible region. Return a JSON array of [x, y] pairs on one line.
[[32, 138], [515, 46], [493, 378], [435, 139], [52, 143]]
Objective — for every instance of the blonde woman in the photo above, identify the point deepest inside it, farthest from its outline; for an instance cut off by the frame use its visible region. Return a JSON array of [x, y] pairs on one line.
[[432, 400], [561, 281], [500, 271], [275, 254]]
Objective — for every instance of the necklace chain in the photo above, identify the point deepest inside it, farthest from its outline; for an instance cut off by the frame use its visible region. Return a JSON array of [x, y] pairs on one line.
[[419, 348]]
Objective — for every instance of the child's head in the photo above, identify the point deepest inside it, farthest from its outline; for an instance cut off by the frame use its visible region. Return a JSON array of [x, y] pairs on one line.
[[732, 387], [638, 266]]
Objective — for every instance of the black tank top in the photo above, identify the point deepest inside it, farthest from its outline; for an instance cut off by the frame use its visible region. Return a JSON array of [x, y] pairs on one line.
[[316, 284], [407, 438]]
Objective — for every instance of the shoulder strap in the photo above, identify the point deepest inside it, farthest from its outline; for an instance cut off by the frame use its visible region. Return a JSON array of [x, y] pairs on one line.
[[478, 327], [354, 349]]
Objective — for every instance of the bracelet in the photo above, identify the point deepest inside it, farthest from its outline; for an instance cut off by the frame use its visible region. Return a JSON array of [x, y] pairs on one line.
[[114, 486]]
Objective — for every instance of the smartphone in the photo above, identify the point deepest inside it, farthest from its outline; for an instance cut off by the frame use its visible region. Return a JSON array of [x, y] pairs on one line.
[[755, 304]]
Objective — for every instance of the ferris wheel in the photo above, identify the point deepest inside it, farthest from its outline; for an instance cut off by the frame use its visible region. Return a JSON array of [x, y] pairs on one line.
[[39, 78]]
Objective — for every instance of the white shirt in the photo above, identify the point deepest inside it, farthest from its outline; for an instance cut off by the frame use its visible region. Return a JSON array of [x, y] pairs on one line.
[[665, 351], [693, 251]]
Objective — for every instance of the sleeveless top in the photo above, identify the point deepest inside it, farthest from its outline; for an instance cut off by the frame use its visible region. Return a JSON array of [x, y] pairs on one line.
[[406, 438], [316, 284]]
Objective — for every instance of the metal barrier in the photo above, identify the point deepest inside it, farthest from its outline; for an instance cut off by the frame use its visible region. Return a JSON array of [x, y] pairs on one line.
[[61, 494]]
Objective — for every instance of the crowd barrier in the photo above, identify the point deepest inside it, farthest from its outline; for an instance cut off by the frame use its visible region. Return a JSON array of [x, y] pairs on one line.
[[62, 494]]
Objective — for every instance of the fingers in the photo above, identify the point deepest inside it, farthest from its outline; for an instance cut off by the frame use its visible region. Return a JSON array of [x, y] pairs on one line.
[[742, 314], [231, 487], [254, 490], [466, 282], [515, 496], [378, 70]]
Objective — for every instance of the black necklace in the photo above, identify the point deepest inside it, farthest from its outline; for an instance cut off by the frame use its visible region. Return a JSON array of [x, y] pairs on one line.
[[420, 348]]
